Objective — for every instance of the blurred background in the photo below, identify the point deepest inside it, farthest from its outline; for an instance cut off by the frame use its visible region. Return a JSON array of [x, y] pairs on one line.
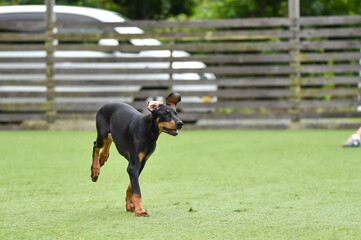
[[263, 64], [209, 9]]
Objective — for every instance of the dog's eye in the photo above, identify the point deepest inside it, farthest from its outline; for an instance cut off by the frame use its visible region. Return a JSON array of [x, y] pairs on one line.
[[167, 111]]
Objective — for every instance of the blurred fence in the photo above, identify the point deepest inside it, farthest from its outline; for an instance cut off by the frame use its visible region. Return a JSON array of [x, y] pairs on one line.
[[232, 73]]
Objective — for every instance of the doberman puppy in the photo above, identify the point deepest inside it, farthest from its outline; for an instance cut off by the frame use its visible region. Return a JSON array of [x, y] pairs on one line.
[[135, 137]]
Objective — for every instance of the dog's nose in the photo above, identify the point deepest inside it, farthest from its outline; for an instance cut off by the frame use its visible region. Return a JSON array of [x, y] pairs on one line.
[[179, 125]]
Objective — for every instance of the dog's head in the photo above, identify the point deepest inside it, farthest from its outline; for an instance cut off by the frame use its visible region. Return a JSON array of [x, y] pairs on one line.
[[166, 114]]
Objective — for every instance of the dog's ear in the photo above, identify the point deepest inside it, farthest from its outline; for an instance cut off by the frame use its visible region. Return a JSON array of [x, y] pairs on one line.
[[153, 105], [173, 98]]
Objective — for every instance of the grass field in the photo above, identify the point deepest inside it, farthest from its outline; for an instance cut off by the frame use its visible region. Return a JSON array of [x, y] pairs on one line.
[[233, 184]]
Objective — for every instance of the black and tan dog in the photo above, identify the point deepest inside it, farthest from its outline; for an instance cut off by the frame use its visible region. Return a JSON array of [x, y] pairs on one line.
[[135, 137]]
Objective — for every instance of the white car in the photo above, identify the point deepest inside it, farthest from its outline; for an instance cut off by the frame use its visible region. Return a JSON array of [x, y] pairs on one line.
[[84, 14]]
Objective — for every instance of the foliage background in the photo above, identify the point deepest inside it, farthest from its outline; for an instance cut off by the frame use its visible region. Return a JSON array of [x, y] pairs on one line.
[[209, 9]]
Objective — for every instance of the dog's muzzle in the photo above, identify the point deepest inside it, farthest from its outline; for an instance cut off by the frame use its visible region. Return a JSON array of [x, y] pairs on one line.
[[179, 124]]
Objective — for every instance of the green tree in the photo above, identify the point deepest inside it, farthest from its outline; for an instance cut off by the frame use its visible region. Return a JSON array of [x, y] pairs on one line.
[[239, 8], [209, 9], [155, 9], [330, 7]]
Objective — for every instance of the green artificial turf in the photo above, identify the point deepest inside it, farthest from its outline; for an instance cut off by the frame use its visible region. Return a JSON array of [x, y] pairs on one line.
[[232, 184]]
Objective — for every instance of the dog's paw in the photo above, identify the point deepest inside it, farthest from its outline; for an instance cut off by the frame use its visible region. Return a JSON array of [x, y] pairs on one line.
[[141, 213], [95, 171], [130, 207]]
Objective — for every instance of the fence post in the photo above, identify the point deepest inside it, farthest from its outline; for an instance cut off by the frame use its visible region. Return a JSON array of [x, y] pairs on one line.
[[294, 16], [49, 48], [170, 80]]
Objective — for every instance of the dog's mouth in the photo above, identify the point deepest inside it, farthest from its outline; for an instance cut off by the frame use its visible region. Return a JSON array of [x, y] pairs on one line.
[[173, 132]]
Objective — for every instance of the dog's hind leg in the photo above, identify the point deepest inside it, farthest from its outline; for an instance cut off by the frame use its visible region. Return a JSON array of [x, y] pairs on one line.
[[95, 167], [104, 155], [102, 134]]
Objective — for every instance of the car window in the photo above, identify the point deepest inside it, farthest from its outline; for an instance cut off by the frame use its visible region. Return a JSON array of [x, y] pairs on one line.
[[60, 18]]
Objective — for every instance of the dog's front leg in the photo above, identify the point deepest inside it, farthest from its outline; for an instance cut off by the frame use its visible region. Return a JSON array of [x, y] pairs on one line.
[[133, 171], [129, 205]]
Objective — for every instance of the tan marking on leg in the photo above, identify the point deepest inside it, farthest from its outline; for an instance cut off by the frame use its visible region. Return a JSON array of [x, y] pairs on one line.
[[110, 137], [104, 155], [141, 156], [95, 169], [128, 199], [139, 211]]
